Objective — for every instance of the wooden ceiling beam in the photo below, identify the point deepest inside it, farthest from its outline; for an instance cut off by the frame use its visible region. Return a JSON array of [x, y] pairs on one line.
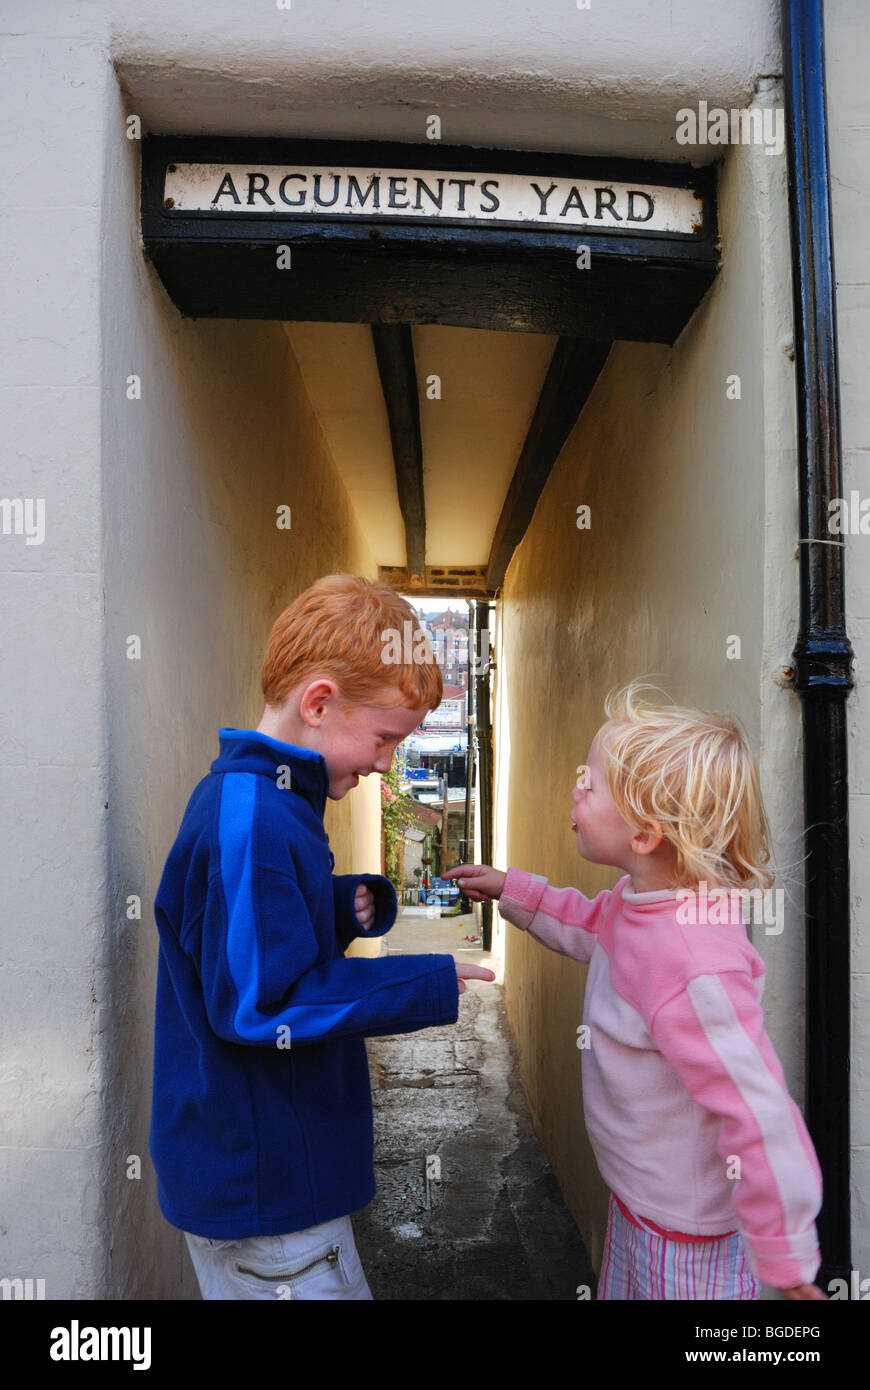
[[574, 369], [394, 350]]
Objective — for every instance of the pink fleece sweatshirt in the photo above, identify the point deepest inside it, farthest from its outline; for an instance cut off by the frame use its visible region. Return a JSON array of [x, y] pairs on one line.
[[680, 1076]]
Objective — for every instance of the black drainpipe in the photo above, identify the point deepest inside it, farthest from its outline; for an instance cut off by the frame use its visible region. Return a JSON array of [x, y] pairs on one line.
[[483, 731], [822, 655]]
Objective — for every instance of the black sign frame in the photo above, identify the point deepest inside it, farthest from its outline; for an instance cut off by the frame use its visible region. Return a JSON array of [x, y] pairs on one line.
[[641, 285]]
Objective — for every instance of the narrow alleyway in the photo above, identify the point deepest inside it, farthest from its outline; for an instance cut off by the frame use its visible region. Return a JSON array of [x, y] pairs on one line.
[[493, 1224]]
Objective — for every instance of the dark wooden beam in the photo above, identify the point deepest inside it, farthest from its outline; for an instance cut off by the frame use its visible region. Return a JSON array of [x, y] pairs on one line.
[[394, 351], [573, 371]]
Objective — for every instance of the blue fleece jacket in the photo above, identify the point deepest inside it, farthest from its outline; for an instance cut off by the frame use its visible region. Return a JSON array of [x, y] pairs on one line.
[[262, 1116]]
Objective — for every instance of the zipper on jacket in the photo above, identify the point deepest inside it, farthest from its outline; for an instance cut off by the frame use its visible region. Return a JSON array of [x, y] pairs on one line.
[[285, 1276]]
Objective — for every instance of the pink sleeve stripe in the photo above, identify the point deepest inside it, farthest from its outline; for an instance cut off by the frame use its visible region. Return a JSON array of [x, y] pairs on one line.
[[713, 1035], [560, 918]]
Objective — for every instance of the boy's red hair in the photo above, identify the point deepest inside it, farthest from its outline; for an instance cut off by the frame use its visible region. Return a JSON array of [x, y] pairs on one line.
[[337, 628]]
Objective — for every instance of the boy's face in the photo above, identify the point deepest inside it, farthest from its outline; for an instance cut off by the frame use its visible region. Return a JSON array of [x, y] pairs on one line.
[[356, 740], [603, 837]]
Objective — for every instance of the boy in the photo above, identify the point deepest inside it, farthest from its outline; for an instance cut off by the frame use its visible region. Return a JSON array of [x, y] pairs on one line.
[[261, 1129]]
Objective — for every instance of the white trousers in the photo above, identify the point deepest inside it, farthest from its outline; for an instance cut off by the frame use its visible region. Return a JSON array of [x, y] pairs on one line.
[[320, 1262]]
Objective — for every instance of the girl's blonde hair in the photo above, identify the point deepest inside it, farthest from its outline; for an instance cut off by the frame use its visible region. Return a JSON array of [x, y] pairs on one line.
[[695, 774]]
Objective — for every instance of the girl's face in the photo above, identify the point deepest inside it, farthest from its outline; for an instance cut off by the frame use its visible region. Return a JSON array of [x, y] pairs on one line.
[[603, 837]]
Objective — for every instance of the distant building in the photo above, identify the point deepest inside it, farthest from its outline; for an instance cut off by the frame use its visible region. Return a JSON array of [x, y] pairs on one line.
[[449, 632]]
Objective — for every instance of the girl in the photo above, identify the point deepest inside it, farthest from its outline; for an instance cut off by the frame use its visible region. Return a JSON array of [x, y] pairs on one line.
[[714, 1181]]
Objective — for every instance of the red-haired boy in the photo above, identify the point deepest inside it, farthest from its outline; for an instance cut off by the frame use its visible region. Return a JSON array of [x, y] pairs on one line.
[[261, 1128]]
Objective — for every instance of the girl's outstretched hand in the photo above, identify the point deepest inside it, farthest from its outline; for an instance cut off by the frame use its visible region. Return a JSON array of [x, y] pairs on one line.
[[477, 881], [800, 1291]]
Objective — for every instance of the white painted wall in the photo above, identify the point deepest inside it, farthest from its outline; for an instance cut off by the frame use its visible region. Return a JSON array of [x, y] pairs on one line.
[[54, 92], [847, 64], [541, 74]]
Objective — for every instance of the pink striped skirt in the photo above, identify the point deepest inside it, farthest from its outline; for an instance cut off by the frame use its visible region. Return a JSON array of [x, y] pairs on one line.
[[637, 1264]]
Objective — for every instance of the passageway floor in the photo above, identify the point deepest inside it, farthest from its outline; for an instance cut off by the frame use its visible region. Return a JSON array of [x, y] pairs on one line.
[[495, 1225]]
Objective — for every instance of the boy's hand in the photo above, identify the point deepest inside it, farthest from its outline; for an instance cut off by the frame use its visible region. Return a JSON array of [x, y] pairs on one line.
[[477, 881], [471, 972], [364, 906]]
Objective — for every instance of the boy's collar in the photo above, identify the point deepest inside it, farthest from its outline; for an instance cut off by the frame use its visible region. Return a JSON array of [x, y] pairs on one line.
[[247, 750]]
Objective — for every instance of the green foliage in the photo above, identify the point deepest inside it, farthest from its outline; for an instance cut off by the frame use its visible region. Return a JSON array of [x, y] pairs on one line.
[[397, 813]]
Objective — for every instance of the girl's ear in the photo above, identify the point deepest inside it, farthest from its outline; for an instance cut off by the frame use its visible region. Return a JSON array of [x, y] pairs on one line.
[[645, 841]]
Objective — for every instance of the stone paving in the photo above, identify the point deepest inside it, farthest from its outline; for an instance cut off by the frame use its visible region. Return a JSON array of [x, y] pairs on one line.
[[492, 1223]]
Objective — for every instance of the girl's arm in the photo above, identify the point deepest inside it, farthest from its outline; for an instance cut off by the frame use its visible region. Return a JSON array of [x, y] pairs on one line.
[[560, 918], [712, 1032]]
